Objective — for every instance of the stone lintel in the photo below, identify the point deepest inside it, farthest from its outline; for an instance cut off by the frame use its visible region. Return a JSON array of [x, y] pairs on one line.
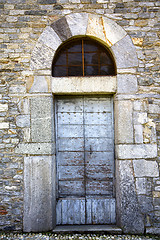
[[132, 151], [84, 85]]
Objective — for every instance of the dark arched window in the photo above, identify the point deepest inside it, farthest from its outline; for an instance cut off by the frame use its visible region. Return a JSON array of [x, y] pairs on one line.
[[83, 57]]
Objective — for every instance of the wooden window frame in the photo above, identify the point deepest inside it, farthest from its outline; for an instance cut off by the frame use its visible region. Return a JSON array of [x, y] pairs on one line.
[[100, 48]]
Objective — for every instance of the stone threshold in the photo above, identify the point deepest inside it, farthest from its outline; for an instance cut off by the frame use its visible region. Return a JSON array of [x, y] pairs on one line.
[[87, 228]]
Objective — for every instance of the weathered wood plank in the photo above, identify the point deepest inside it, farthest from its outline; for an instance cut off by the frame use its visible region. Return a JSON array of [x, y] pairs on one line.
[[104, 158], [71, 173], [70, 158], [70, 144], [98, 118], [70, 131], [102, 131], [100, 172], [70, 105], [70, 211], [99, 211], [71, 188], [96, 187], [70, 118], [99, 144], [93, 105]]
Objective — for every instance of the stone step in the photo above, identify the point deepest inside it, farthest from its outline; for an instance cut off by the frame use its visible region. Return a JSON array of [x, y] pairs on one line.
[[87, 228]]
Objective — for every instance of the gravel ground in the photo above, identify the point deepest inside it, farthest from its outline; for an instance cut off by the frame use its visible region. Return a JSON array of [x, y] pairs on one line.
[[50, 236]]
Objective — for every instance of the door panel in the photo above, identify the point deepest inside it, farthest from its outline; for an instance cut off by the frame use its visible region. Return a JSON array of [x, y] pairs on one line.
[[85, 160]]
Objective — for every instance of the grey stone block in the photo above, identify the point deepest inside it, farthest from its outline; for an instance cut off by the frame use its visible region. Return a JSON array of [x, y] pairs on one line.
[[41, 107], [35, 148], [50, 38], [129, 216], [123, 120], [77, 23], [138, 133], [39, 85], [46, 1], [41, 130], [132, 151], [126, 83], [23, 121], [42, 57], [42, 122], [146, 204], [113, 31], [62, 29], [145, 168], [143, 186], [125, 53], [38, 194]]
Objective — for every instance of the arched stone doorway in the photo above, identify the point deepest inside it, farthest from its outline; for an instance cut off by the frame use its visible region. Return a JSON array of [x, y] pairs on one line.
[[39, 160]]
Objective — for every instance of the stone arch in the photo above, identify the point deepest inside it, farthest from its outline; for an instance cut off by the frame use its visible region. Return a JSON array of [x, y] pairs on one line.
[[96, 26], [77, 24]]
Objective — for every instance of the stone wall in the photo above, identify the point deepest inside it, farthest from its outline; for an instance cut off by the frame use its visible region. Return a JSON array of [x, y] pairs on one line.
[[137, 106]]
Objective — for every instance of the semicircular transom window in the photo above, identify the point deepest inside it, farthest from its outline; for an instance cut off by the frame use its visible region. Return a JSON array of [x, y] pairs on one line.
[[83, 57]]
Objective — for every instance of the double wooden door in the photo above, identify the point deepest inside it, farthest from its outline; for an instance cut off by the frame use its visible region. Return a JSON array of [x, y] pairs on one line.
[[85, 160]]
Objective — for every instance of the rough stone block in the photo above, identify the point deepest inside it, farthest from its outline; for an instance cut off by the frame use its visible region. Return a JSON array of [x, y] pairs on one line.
[[3, 107], [132, 151], [128, 213], [42, 119], [77, 23], [62, 29], [95, 28], [138, 133], [41, 130], [17, 89], [50, 38], [124, 52], [42, 57], [40, 84], [41, 107], [143, 168], [154, 108], [140, 118], [113, 31], [146, 204], [143, 186], [126, 83], [4, 125], [35, 148], [123, 120], [23, 121], [137, 105], [153, 230], [38, 198], [76, 85]]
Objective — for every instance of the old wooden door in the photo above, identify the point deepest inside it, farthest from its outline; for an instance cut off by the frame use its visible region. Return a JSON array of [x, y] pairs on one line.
[[85, 160]]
